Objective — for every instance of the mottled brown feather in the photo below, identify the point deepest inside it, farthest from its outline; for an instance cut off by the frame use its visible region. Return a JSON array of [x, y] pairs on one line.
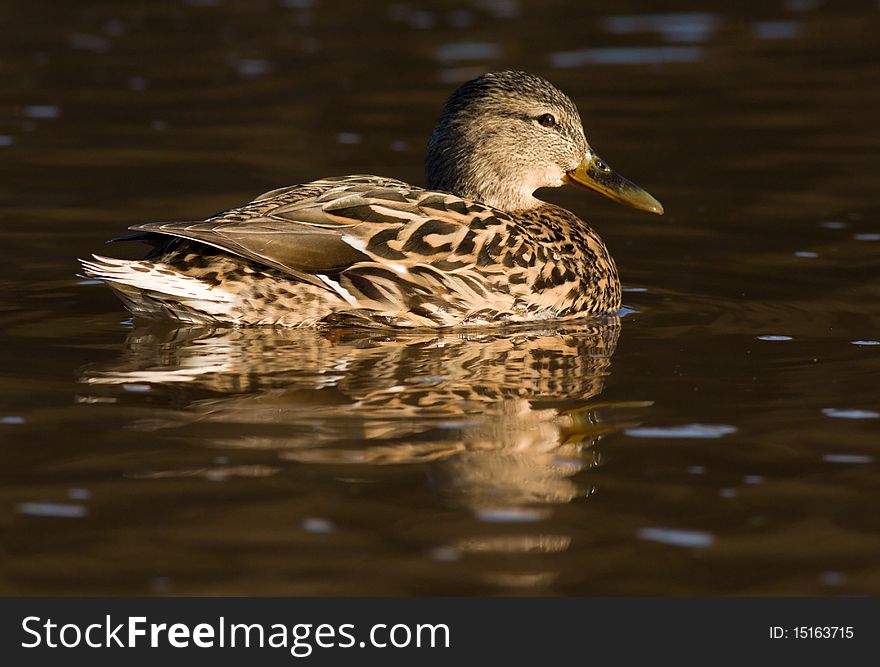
[[391, 254]]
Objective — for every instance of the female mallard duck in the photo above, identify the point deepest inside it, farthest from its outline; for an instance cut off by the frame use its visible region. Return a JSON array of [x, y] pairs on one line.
[[475, 247]]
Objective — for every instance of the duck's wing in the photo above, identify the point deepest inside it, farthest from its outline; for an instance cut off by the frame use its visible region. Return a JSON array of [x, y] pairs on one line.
[[326, 226]]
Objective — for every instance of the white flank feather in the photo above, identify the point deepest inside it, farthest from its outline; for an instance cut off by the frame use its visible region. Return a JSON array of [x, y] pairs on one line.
[[161, 286]]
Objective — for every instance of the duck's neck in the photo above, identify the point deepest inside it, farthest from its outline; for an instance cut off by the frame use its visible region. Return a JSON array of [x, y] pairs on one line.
[[477, 188], [471, 169]]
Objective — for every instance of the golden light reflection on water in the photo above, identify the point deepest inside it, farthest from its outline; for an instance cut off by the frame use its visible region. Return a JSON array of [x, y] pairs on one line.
[[503, 421]]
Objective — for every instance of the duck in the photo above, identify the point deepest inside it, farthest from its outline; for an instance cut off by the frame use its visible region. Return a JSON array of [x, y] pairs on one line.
[[474, 247]]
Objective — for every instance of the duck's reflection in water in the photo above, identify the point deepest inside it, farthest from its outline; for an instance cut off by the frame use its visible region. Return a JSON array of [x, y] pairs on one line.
[[503, 420]]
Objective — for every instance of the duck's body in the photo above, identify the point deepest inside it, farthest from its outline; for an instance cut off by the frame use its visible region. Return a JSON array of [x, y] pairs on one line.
[[369, 250], [377, 251]]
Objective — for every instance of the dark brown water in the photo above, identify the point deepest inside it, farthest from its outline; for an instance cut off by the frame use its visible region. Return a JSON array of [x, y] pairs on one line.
[[720, 438]]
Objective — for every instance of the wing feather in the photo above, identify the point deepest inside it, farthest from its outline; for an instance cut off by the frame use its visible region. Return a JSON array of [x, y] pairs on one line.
[[328, 226]]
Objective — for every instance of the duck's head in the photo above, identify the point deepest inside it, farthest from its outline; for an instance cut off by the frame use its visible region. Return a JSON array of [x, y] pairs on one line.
[[503, 135]]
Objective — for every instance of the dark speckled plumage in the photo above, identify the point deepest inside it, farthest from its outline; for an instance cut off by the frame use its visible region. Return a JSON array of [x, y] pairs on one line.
[[376, 251]]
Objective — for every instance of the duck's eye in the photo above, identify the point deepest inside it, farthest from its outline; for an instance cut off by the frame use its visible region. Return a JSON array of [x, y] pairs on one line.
[[547, 120]]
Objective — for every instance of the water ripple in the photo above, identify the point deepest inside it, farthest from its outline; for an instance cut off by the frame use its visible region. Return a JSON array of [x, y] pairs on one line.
[[686, 431], [847, 458], [693, 539], [511, 515], [674, 27], [776, 29], [643, 55], [58, 510], [850, 414], [468, 51]]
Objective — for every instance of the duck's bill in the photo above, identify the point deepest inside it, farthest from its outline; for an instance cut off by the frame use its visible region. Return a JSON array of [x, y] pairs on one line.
[[594, 174]]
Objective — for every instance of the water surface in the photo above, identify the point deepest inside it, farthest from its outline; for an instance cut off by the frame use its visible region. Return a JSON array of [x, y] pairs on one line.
[[720, 438]]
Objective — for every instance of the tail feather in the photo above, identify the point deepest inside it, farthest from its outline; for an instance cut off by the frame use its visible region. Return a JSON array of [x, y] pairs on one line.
[[155, 290]]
